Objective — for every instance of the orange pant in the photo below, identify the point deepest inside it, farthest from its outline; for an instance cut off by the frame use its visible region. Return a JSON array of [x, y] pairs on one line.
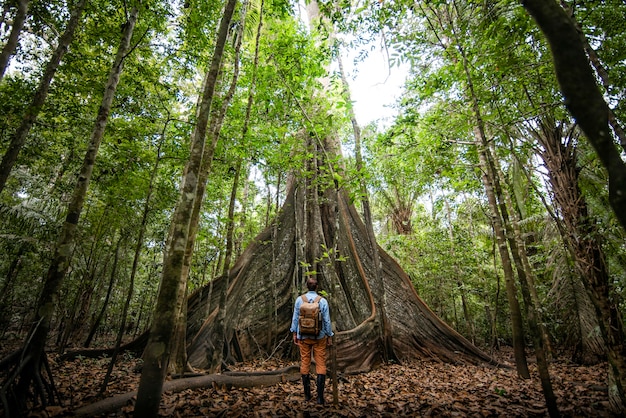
[[319, 354]]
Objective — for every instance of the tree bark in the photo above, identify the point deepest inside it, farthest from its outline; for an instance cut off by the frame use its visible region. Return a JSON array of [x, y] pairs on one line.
[[580, 232], [386, 334], [253, 306], [517, 327], [602, 74], [229, 380], [18, 139], [157, 354], [105, 303], [16, 29]]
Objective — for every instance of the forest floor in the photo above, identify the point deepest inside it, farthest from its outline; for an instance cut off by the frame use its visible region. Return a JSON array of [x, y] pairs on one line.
[[420, 389]]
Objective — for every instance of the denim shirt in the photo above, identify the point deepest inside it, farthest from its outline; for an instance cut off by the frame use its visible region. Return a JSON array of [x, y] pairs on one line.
[[326, 326]]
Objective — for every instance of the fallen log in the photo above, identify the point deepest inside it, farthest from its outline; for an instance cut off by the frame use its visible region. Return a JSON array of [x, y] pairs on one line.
[[238, 380]]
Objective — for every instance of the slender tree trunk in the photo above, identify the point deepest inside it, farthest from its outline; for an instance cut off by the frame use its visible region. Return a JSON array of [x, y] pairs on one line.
[[158, 349], [525, 273], [497, 223], [133, 273], [16, 29], [245, 204], [230, 221], [19, 137], [469, 323], [35, 342], [105, 303], [219, 332], [517, 328], [501, 212], [180, 364]]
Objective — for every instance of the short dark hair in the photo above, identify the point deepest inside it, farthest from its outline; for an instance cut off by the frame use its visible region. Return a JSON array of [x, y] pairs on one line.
[[311, 283]]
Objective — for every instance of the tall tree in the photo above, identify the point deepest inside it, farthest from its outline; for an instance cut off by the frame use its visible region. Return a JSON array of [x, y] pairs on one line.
[[19, 137], [33, 356], [585, 102], [16, 28], [318, 232], [157, 353]]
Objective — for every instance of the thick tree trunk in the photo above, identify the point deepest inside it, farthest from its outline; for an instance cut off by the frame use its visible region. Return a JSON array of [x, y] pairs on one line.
[[19, 138], [16, 29], [580, 233], [158, 350], [36, 340], [258, 312]]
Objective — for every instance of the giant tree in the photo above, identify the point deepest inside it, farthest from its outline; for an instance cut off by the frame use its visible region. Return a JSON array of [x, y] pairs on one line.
[[319, 232]]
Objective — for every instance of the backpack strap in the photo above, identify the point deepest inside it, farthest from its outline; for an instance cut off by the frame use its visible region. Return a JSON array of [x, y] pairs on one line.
[[317, 298]]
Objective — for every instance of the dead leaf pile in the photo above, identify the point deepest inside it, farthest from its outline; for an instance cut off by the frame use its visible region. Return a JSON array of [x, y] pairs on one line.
[[419, 388]]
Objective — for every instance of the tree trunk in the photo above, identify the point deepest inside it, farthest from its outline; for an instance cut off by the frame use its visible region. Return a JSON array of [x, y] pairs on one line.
[[253, 307], [581, 236], [157, 354], [517, 327], [469, 323], [379, 289], [499, 207], [19, 138], [586, 104], [180, 364], [138, 246], [602, 74], [105, 303], [16, 29], [35, 342], [498, 221], [230, 220]]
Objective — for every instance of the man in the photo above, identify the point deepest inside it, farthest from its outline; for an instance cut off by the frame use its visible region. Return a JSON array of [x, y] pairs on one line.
[[312, 343]]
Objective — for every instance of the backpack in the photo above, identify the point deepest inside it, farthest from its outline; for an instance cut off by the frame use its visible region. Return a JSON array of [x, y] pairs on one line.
[[310, 320]]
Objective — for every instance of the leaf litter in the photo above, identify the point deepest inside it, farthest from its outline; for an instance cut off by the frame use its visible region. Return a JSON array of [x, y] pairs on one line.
[[420, 388]]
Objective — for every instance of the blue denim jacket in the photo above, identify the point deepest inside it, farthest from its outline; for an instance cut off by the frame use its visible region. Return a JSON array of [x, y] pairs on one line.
[[327, 330]]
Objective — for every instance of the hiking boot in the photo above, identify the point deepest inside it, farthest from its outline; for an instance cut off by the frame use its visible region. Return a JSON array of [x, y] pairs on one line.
[[306, 382], [321, 382]]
